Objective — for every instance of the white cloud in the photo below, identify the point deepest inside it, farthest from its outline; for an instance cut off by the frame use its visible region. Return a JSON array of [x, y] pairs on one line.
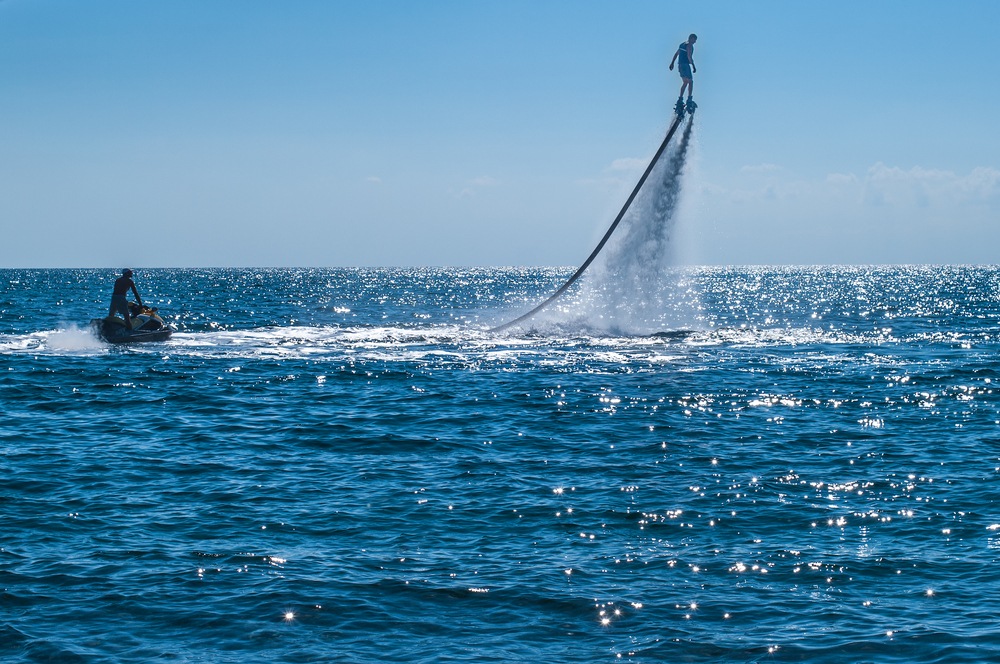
[[621, 173], [762, 168], [628, 164], [372, 178], [925, 188], [881, 186], [983, 182], [887, 214], [470, 190]]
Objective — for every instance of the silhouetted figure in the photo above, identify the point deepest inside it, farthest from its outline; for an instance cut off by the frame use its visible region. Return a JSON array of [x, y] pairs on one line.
[[119, 302], [685, 64]]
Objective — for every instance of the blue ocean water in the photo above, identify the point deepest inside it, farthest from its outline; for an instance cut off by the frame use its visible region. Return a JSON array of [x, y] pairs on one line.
[[763, 464]]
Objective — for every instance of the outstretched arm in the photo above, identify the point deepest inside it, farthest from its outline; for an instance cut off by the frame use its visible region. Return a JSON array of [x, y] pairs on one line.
[[673, 60]]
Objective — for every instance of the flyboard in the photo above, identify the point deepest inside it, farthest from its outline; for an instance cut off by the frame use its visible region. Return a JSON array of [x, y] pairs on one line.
[[679, 110]]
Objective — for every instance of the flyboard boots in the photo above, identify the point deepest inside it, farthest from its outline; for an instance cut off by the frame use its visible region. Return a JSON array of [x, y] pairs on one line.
[[679, 107]]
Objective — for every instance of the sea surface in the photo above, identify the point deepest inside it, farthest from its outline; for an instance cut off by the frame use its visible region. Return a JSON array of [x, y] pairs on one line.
[[345, 465]]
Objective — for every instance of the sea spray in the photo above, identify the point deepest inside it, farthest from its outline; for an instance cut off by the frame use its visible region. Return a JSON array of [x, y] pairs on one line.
[[635, 287], [72, 338]]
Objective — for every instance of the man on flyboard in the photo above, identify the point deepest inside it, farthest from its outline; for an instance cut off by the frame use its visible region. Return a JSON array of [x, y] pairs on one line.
[[685, 63]]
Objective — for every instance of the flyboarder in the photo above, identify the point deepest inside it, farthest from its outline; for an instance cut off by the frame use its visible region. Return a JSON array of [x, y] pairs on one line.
[[118, 301], [685, 63]]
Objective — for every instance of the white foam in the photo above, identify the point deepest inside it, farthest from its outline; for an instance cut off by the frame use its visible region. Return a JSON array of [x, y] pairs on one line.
[[64, 340], [72, 339]]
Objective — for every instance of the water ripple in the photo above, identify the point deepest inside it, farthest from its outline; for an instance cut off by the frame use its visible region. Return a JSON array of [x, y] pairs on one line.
[[344, 465]]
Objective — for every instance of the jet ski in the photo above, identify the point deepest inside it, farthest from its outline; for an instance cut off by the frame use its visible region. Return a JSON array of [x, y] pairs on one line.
[[148, 326]]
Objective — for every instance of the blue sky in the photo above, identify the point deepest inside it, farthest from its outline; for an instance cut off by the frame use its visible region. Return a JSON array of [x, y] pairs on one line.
[[491, 133]]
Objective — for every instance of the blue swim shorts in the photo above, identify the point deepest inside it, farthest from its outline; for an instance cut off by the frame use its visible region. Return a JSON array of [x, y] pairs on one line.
[[119, 304], [685, 69]]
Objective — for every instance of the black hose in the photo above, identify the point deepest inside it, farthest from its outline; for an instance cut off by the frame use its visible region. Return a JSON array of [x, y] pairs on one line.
[[604, 240]]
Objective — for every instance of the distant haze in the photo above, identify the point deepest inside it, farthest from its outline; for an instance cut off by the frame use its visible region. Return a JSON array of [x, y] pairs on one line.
[[246, 133]]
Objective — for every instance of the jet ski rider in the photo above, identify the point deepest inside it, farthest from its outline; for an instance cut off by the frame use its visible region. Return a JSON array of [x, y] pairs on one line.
[[118, 301]]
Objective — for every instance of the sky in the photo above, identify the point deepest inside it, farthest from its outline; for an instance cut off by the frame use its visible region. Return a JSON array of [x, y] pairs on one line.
[[199, 133]]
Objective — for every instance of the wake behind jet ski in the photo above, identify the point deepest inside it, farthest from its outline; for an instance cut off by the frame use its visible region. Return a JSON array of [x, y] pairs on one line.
[[147, 326]]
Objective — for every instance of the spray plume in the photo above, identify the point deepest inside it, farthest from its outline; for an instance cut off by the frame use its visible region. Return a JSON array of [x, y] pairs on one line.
[[630, 287], [635, 289]]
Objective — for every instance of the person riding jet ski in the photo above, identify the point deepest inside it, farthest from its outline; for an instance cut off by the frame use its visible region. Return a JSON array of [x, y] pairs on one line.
[[141, 322], [119, 303]]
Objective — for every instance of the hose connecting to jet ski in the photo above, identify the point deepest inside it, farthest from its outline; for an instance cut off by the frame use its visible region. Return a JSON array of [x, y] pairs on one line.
[[678, 116]]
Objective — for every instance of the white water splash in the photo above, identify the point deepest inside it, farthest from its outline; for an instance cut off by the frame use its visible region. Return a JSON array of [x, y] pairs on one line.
[[71, 339], [634, 286]]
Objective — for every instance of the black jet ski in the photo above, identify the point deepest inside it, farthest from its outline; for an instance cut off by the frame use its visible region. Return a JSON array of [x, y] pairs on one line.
[[148, 326]]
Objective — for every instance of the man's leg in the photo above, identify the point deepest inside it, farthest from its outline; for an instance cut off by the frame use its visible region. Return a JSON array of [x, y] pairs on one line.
[[123, 310], [689, 82]]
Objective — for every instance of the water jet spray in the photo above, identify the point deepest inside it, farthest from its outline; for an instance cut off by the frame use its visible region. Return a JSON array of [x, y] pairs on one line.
[[678, 116]]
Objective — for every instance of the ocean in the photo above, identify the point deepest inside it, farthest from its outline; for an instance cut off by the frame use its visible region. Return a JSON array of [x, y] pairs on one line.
[[751, 464]]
